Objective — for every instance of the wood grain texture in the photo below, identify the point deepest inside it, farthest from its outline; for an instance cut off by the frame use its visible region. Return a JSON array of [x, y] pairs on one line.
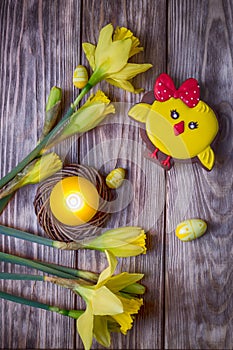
[[199, 285], [188, 303], [118, 144], [39, 48]]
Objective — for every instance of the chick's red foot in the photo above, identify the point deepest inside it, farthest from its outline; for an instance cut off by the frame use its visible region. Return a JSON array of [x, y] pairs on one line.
[[154, 154], [166, 162]]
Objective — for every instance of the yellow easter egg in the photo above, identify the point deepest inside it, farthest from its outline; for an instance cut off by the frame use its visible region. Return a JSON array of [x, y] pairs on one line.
[[80, 77], [191, 229], [115, 178]]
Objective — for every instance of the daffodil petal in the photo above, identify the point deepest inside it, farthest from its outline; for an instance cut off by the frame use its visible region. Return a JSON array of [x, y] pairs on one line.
[[85, 327], [111, 242], [112, 261], [122, 280], [123, 84], [130, 70], [104, 302], [85, 119], [122, 233], [89, 50], [101, 332], [111, 56], [127, 250], [105, 36], [105, 243]]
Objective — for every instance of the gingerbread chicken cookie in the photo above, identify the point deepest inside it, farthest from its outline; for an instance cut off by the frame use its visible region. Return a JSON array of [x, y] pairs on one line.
[[178, 125]]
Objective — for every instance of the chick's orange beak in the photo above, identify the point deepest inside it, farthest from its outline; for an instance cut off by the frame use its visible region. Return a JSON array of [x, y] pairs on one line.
[[178, 128]]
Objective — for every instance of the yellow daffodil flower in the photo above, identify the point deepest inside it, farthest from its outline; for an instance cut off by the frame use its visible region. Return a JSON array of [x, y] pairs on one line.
[[108, 306], [104, 300], [87, 117], [122, 242], [109, 59], [36, 171], [52, 111]]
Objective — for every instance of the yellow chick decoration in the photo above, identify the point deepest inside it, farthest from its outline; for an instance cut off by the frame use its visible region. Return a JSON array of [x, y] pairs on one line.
[[178, 124]]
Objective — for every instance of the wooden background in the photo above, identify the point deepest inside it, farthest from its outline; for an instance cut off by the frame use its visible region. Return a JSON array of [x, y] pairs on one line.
[[189, 298]]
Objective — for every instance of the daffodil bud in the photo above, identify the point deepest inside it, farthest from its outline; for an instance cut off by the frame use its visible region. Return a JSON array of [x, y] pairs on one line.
[[52, 110], [54, 97], [121, 242], [36, 171], [87, 117]]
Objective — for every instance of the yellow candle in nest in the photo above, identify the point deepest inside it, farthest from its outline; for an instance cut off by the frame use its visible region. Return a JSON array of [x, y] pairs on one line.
[[74, 201]]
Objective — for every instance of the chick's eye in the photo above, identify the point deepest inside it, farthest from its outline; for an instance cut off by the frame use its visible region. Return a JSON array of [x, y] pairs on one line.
[[193, 125], [174, 114]]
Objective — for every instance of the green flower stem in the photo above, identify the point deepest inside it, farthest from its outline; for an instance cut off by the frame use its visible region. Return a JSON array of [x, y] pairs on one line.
[[71, 313], [23, 301], [84, 91], [4, 201], [31, 156], [20, 277], [9, 231], [86, 275], [135, 288], [34, 264]]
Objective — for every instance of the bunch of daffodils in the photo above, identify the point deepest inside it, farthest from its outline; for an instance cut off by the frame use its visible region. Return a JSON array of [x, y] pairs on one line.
[[111, 300]]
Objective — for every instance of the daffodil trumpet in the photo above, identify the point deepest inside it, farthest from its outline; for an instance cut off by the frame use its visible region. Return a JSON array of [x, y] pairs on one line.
[[122, 242]]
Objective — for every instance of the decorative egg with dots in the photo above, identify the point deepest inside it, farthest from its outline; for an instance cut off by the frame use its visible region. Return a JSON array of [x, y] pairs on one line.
[[178, 125], [80, 77], [115, 178], [191, 229]]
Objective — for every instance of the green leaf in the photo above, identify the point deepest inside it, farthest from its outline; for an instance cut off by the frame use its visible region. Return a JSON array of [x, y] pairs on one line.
[[4, 201]]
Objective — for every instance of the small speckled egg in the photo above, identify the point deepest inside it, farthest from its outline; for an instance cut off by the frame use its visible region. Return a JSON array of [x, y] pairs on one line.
[[115, 178], [191, 229], [80, 77]]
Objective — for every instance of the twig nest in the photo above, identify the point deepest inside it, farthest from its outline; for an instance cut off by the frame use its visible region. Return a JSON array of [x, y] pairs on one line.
[[54, 228]]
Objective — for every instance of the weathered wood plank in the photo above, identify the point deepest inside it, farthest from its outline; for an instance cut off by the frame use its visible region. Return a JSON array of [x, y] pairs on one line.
[[118, 144], [199, 305], [39, 47]]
